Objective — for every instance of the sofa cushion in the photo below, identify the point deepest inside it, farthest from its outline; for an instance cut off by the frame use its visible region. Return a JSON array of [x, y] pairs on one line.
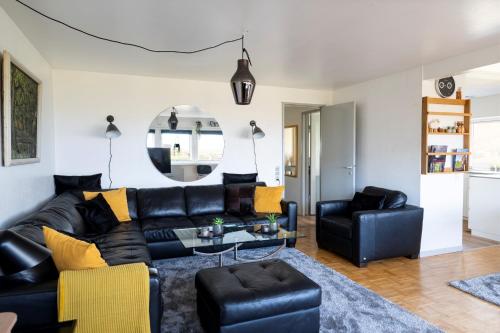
[[131, 200], [240, 199], [118, 239], [126, 254], [81, 183], [337, 225], [250, 291], [97, 214], [363, 201], [202, 200], [59, 214], [238, 178], [124, 244], [205, 220], [260, 218], [161, 202], [393, 199], [162, 229]]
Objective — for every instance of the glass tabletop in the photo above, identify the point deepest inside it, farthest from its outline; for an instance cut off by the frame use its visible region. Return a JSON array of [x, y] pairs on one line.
[[232, 235]]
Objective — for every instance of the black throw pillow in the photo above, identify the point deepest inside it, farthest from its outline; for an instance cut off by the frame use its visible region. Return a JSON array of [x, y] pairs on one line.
[[80, 183], [97, 214], [238, 178], [240, 199], [363, 201]]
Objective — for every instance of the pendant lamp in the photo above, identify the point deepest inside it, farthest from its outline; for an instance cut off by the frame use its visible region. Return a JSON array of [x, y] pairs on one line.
[[173, 121], [243, 82]]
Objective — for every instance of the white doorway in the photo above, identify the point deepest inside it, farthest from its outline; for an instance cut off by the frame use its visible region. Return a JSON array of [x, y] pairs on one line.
[[324, 168]]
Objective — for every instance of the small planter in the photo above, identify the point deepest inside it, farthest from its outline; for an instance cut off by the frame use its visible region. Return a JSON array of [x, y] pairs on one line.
[[218, 229], [274, 227]]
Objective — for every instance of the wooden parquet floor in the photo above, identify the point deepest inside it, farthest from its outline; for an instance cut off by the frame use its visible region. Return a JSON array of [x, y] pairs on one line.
[[420, 285]]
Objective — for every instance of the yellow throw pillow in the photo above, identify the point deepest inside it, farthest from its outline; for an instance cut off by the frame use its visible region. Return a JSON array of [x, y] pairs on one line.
[[117, 200], [268, 199], [70, 253]]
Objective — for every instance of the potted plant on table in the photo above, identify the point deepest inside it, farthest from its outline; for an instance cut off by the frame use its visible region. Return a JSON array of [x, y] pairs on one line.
[[273, 222], [218, 226]]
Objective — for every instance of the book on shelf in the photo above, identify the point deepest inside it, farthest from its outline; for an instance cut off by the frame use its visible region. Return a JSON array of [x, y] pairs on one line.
[[437, 162], [459, 162]]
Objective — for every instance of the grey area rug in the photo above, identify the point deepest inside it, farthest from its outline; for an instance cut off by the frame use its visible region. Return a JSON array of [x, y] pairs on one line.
[[486, 287], [346, 306]]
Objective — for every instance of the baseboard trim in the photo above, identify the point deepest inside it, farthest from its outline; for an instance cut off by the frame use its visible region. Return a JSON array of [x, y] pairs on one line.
[[441, 251]]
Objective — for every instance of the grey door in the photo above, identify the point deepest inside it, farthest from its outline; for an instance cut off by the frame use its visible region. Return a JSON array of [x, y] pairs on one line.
[[338, 151]]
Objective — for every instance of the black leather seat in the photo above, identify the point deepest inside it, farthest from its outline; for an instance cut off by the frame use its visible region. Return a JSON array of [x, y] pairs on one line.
[[162, 229], [266, 296], [362, 236]]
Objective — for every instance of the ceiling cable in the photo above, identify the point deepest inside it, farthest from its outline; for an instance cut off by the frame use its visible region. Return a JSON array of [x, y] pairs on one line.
[[128, 43]]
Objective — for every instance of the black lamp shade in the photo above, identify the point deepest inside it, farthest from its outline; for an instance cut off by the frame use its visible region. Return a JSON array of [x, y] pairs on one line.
[[173, 121], [23, 261], [243, 83], [112, 131], [257, 132]]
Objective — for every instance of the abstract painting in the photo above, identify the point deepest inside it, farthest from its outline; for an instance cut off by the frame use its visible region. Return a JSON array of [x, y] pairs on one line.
[[20, 114]]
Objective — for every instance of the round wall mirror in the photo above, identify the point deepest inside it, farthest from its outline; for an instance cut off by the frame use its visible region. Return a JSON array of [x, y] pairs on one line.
[[184, 143]]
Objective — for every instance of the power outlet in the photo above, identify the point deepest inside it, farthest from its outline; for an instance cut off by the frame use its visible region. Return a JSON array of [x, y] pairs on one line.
[[277, 174]]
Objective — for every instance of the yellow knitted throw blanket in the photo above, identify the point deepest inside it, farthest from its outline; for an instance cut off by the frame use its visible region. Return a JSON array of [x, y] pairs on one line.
[[109, 299]]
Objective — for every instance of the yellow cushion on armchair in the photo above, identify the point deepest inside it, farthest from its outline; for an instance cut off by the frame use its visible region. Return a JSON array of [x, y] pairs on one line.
[[268, 199]]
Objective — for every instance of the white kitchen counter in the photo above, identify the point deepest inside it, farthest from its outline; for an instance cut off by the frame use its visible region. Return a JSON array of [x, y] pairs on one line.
[[484, 205]]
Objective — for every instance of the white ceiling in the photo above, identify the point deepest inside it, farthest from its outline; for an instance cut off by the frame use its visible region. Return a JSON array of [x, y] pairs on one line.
[[292, 43]]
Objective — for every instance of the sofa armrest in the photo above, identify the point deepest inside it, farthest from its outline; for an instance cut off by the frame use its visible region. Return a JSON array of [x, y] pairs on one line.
[[386, 233], [36, 304], [155, 300], [289, 208]]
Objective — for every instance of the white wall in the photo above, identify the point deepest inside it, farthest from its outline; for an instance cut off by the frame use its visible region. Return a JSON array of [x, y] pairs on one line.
[[388, 131], [83, 100], [488, 106], [25, 187]]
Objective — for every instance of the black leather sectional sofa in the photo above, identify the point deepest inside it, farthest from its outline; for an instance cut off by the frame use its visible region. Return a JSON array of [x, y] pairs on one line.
[[155, 212]]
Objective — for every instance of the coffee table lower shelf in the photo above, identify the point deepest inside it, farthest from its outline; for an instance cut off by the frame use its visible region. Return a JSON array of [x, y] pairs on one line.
[[236, 257]]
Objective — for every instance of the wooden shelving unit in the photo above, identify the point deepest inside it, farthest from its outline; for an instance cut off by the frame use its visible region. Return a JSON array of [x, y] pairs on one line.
[[427, 111]]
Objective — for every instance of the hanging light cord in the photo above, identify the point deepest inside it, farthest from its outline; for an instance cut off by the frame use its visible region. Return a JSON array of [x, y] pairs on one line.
[[132, 44], [109, 164]]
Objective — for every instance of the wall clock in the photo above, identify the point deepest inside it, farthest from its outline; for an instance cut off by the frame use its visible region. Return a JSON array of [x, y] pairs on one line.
[[445, 87]]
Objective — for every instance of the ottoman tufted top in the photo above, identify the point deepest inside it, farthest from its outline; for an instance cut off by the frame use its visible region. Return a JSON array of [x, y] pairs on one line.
[[255, 290]]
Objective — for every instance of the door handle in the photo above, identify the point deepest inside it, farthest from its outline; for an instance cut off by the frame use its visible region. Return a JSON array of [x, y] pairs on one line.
[[350, 167]]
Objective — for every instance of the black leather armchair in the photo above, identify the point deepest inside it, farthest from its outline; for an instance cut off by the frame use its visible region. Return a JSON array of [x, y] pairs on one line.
[[363, 236]]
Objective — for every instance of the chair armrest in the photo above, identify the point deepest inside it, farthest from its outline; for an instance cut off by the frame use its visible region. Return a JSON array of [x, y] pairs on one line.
[[332, 207], [289, 208], [386, 233]]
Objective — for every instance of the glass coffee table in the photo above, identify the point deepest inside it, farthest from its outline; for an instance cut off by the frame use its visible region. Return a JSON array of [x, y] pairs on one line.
[[233, 238]]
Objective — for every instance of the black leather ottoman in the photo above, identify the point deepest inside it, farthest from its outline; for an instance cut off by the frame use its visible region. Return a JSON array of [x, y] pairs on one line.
[[265, 296]]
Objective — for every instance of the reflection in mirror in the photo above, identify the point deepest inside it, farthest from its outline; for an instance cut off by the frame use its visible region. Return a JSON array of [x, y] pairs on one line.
[[185, 143], [291, 144]]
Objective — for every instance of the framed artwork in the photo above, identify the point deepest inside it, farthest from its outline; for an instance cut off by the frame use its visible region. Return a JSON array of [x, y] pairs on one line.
[[21, 107], [291, 150]]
